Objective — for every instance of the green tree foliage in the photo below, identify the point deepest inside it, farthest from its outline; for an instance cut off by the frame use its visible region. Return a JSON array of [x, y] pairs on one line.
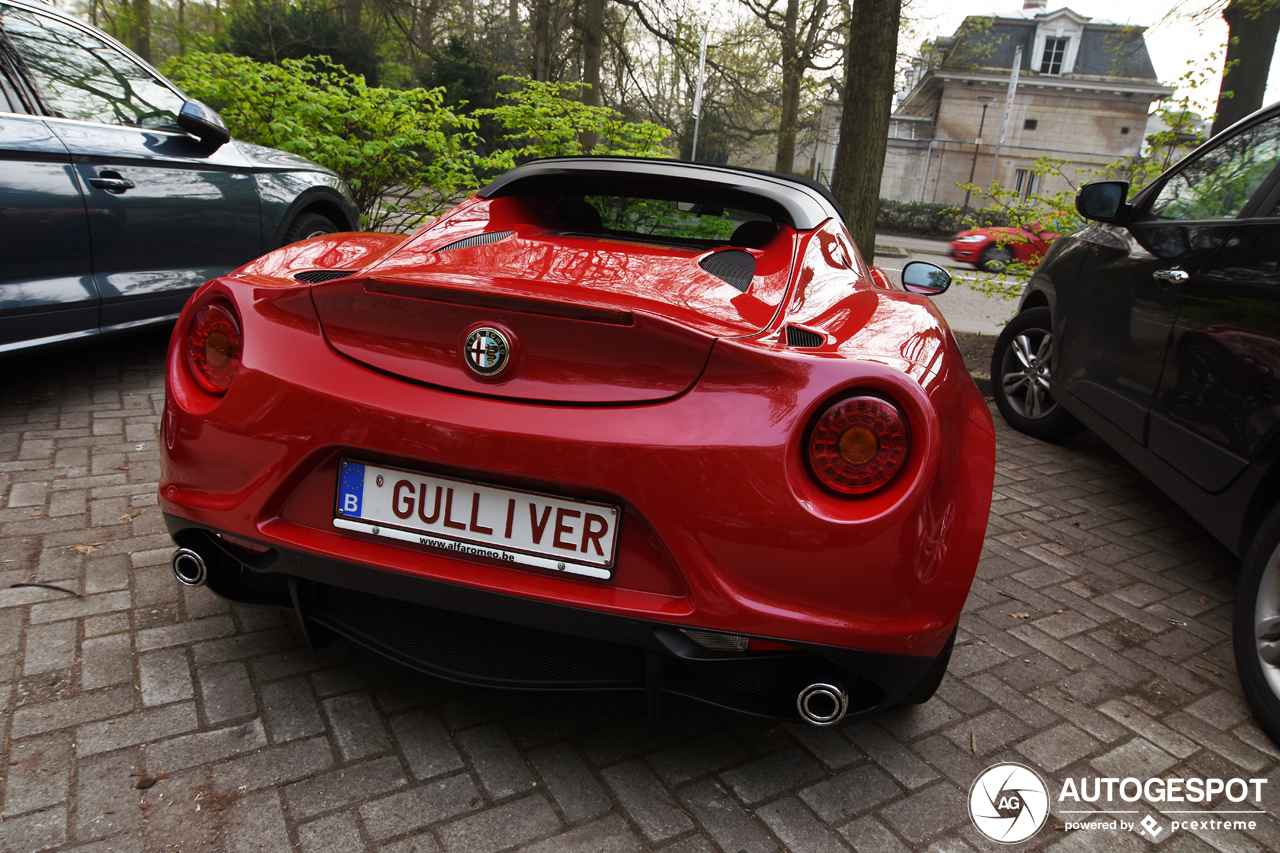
[[543, 119], [273, 31], [404, 154]]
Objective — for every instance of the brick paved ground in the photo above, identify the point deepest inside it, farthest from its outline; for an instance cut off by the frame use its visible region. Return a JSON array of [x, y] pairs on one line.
[[1095, 643]]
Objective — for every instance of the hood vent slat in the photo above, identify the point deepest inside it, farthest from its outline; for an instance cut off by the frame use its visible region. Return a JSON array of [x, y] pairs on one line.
[[477, 240], [317, 276], [798, 337], [731, 265]]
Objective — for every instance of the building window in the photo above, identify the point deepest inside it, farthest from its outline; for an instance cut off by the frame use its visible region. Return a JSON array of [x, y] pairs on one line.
[[1025, 182], [1055, 51], [1030, 124]]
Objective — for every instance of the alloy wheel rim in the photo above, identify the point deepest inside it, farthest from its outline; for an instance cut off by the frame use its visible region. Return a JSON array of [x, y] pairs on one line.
[[1266, 622], [1025, 371]]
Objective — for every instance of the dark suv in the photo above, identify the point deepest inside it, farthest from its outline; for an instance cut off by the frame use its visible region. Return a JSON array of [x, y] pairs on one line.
[[118, 195], [1157, 326]]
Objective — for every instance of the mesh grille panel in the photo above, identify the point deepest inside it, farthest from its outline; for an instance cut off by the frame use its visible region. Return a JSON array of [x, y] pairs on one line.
[[797, 337], [732, 265], [477, 646], [317, 276], [477, 240]]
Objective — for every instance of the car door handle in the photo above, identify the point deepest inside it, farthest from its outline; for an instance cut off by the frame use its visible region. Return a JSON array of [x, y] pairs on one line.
[[1173, 276], [112, 182]]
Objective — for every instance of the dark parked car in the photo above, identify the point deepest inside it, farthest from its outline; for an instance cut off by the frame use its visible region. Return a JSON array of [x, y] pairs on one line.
[[118, 195], [1158, 327]]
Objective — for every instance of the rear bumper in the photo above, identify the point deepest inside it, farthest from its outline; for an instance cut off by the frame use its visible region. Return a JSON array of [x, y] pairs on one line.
[[486, 638]]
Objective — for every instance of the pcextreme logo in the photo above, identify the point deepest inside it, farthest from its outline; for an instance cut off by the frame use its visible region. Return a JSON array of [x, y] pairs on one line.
[[1009, 803]]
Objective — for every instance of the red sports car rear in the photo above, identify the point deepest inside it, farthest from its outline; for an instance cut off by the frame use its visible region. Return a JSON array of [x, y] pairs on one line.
[[609, 424]]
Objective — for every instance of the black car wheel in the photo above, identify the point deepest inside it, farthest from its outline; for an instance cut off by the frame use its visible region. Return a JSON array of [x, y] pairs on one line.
[[1020, 369], [995, 259], [309, 225], [1256, 626]]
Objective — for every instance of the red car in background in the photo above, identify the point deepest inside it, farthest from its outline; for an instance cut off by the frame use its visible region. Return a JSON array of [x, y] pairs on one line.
[[993, 249], [609, 424]]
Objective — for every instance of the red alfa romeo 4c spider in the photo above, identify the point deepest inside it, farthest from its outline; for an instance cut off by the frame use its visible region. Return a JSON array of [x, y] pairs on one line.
[[608, 424]]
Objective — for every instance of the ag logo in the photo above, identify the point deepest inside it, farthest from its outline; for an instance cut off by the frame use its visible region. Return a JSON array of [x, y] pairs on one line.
[[1008, 803], [487, 351]]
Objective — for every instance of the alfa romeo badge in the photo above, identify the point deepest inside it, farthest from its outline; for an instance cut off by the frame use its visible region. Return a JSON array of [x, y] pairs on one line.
[[487, 351]]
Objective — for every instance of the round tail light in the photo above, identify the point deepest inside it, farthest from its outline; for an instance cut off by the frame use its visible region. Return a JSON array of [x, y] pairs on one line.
[[214, 345], [858, 445]]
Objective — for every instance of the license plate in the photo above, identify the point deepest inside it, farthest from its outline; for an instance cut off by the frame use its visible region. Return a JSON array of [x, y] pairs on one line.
[[571, 536]]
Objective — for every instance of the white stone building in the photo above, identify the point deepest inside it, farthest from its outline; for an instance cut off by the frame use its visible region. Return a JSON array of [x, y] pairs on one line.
[[1084, 92]]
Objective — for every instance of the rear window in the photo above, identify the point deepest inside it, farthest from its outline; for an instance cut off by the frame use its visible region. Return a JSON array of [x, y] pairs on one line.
[[658, 220]]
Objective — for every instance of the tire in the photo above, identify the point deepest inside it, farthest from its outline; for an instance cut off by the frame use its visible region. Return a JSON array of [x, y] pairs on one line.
[[1020, 369], [309, 225], [1256, 626], [927, 686], [995, 259]]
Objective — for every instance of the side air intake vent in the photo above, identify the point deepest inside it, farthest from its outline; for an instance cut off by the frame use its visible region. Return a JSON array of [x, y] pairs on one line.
[[317, 276], [477, 240], [732, 265], [797, 337]]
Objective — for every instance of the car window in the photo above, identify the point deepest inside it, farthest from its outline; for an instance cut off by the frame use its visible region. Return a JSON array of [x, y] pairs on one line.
[[1219, 183], [83, 77]]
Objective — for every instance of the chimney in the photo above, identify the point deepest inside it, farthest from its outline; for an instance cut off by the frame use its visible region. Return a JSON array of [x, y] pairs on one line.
[[1035, 4]]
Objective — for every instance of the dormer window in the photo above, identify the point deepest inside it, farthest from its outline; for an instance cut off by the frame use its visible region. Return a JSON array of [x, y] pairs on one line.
[[1055, 54]]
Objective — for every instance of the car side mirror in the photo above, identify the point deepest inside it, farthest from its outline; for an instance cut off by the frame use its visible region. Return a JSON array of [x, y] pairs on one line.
[[204, 123], [1104, 201], [925, 278]]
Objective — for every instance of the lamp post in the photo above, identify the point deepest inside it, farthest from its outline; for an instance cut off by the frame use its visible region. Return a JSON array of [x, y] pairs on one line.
[[977, 143]]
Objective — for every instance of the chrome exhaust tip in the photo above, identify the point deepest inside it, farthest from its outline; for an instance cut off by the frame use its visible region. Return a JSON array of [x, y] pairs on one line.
[[822, 704], [189, 567]]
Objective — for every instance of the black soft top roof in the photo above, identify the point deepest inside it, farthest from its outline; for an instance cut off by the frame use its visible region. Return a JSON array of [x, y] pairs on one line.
[[802, 203]]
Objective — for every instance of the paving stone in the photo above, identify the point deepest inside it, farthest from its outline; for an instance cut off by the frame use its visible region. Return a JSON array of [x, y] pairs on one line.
[[425, 745], [185, 632], [797, 828], [31, 833], [336, 833], [608, 835], [511, 825], [418, 807], [256, 823], [1056, 748], [891, 755], [356, 726], [165, 677], [225, 692], [205, 747], [39, 774], [136, 728], [291, 710], [106, 801], [106, 661], [646, 801], [869, 835], [276, 766], [344, 786], [569, 782], [679, 764], [500, 767], [766, 777], [50, 647], [1136, 758], [852, 792], [732, 827], [928, 812], [72, 711]]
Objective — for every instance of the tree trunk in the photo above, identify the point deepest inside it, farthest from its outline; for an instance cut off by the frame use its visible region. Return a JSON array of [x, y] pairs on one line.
[[864, 122], [541, 25], [1252, 27], [592, 29], [791, 73], [351, 13], [142, 29]]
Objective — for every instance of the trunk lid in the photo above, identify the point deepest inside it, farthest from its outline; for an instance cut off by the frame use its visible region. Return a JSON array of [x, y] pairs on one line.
[[577, 320]]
